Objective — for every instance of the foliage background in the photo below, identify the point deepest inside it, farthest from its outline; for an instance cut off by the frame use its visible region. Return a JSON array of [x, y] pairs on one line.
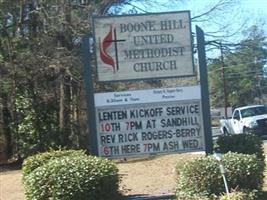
[[42, 96], [42, 92]]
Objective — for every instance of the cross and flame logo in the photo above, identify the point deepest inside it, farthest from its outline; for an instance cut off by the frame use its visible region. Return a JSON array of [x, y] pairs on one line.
[[104, 45]]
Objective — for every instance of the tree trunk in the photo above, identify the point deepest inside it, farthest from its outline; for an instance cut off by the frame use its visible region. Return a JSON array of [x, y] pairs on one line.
[[61, 100], [6, 117]]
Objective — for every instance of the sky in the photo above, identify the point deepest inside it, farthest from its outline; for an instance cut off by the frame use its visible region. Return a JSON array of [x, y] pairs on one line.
[[256, 5], [238, 16], [255, 9]]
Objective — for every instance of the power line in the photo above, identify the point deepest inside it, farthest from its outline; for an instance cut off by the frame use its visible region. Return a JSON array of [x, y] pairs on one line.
[[229, 67], [259, 75]]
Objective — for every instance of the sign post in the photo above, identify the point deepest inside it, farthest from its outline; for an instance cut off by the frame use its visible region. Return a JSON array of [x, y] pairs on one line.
[[87, 73], [204, 89]]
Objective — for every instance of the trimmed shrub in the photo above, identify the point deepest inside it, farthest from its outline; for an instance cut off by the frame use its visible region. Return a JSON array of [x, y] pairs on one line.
[[37, 160], [202, 175], [240, 143], [245, 172], [188, 196], [73, 178], [239, 195]]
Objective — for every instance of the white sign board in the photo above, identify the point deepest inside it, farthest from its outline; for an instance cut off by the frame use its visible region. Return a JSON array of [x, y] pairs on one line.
[[143, 122], [143, 46]]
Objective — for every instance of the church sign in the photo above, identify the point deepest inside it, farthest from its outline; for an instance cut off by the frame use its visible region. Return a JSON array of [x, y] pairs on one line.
[[143, 46]]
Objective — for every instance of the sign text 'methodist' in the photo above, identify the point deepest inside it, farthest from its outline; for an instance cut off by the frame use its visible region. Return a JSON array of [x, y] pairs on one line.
[[153, 39]]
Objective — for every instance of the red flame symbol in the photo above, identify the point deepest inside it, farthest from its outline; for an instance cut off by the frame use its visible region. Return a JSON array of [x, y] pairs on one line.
[[107, 41]]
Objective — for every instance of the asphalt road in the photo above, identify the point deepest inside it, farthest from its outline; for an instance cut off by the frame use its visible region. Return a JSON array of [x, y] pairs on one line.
[[216, 131]]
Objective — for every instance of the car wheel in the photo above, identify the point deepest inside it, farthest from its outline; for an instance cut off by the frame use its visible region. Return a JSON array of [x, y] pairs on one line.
[[246, 130], [225, 132]]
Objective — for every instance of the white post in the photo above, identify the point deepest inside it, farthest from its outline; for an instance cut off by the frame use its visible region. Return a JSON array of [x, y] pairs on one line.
[[218, 157]]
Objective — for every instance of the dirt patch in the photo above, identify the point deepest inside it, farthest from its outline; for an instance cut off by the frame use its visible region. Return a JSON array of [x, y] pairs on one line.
[[11, 185], [150, 176], [146, 176]]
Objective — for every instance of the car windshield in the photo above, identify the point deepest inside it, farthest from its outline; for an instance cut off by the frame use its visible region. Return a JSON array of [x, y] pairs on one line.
[[254, 111]]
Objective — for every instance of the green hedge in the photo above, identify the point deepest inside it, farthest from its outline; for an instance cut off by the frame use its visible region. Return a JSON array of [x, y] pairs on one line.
[[239, 195], [235, 195], [72, 177], [202, 175], [240, 143], [190, 196], [37, 160]]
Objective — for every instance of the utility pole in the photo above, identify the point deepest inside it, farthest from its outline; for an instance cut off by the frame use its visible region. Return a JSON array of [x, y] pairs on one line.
[[259, 86], [223, 81], [219, 46]]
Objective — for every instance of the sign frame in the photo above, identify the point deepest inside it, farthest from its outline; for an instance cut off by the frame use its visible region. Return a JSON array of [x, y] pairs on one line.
[[110, 142], [170, 61], [87, 47]]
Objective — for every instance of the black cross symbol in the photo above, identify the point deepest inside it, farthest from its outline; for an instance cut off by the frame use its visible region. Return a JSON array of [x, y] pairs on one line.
[[116, 47]]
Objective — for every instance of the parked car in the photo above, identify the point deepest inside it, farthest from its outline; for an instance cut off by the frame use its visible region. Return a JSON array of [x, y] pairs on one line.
[[247, 119]]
